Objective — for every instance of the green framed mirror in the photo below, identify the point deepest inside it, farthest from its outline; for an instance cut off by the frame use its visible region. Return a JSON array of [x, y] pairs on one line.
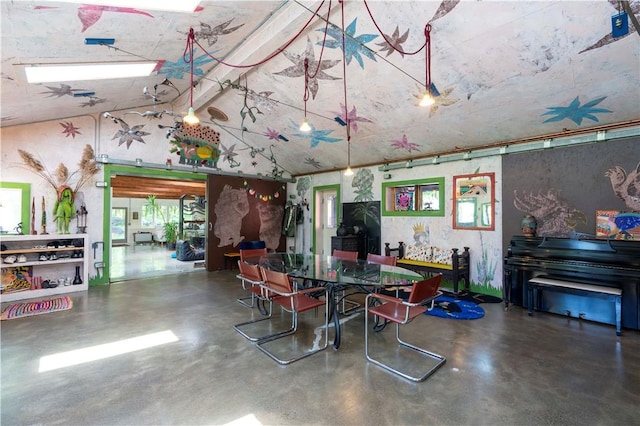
[[421, 197]]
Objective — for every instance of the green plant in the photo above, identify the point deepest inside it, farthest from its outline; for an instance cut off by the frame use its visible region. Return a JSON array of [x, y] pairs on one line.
[[170, 232]]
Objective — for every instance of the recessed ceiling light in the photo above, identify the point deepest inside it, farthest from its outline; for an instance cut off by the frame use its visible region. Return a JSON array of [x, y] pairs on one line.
[[78, 72], [187, 6]]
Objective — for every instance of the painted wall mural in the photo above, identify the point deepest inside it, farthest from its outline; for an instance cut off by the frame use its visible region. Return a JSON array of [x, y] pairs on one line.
[[271, 218], [198, 145], [626, 186], [230, 208]]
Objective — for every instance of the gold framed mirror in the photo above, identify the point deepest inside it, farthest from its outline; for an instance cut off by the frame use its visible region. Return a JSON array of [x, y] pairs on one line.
[[474, 201]]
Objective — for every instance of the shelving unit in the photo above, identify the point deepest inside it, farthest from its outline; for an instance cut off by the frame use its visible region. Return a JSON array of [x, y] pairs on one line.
[[63, 266], [192, 216]]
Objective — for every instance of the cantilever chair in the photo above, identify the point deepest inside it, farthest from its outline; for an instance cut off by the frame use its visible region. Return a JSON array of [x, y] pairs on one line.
[[255, 276], [251, 279], [381, 259], [353, 257], [402, 312], [252, 274], [291, 299]]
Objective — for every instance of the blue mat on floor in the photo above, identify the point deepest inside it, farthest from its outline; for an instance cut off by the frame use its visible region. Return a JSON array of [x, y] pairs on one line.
[[455, 308]]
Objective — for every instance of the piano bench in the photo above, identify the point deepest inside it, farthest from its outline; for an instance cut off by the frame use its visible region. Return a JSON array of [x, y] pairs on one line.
[[552, 284]]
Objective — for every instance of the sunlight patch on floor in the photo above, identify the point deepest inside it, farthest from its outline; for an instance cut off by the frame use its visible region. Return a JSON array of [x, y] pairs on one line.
[[93, 353]]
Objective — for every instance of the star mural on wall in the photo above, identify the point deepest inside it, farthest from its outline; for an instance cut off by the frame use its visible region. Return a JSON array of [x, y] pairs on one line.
[[404, 144], [354, 46], [70, 129], [179, 68], [315, 136], [297, 70], [393, 42], [576, 112]]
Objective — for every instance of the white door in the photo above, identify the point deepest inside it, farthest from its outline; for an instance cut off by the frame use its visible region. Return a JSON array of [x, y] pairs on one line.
[[326, 217]]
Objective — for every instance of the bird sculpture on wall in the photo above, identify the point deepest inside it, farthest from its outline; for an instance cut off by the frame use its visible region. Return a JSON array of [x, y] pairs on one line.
[[626, 186], [127, 134]]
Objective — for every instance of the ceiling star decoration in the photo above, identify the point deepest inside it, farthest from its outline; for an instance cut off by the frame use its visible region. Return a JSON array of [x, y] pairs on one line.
[[63, 90], [315, 136], [127, 134], [153, 115], [179, 68], [90, 14], [352, 117], [298, 70], [93, 101], [440, 98], [264, 197], [261, 99], [210, 34], [576, 112], [70, 129], [275, 135], [312, 162], [405, 144], [354, 46], [394, 42]]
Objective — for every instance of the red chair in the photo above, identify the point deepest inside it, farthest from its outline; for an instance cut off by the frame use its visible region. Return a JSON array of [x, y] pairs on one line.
[[294, 301], [345, 255], [254, 275], [244, 254], [402, 312], [251, 274], [381, 260]]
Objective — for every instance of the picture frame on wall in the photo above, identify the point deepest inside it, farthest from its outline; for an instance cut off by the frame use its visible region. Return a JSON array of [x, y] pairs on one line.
[[134, 215], [618, 225]]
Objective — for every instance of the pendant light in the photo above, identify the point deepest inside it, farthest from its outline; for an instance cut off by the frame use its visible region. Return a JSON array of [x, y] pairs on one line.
[[347, 172], [191, 118], [305, 127], [427, 99]]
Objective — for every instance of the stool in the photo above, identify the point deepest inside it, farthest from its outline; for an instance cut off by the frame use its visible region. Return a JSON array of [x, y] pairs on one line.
[[232, 257]]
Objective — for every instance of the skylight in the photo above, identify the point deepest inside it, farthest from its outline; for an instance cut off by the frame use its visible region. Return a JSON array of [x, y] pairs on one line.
[[78, 72]]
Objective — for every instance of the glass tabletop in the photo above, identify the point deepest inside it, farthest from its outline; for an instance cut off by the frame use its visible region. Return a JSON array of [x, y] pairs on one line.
[[335, 270]]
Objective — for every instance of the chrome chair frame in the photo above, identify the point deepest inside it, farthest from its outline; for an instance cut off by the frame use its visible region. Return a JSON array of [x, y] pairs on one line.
[[351, 256], [294, 301], [402, 312]]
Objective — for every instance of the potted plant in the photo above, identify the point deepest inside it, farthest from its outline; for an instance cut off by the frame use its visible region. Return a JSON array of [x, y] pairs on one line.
[[169, 229]]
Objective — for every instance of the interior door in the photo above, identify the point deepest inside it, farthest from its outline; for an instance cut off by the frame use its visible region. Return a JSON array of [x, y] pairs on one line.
[[325, 219], [118, 225]]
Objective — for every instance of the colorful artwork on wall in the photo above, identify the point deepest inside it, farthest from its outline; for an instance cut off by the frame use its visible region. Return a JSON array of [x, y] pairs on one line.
[[618, 225], [17, 278]]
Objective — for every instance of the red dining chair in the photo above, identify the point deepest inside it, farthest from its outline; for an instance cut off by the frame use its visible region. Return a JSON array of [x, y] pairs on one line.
[[351, 256], [254, 276], [291, 299], [402, 312], [345, 255], [251, 274], [381, 259]]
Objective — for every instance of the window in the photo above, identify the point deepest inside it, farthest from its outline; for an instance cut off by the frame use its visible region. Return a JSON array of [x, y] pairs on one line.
[[423, 197], [151, 218]]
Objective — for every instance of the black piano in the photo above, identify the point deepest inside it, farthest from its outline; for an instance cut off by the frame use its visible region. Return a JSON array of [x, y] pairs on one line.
[[601, 262]]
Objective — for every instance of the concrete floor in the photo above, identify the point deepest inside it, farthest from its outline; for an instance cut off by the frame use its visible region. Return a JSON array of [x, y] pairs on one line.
[[504, 369], [135, 261]]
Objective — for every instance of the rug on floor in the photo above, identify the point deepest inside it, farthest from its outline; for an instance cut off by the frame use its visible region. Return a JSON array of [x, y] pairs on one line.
[[446, 306], [37, 307]]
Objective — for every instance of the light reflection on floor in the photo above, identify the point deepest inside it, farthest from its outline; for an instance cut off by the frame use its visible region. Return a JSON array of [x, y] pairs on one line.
[[145, 260]]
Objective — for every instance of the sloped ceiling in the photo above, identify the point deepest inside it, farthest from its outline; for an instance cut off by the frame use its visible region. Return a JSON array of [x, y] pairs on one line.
[[504, 71]]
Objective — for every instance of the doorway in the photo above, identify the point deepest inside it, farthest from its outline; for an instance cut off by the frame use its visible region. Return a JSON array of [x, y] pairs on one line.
[[118, 225], [326, 217]]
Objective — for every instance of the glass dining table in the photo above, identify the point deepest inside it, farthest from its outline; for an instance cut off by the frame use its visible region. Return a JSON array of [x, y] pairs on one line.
[[337, 275]]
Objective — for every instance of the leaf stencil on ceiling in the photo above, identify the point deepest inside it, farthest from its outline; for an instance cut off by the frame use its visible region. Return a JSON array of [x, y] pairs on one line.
[[297, 70], [441, 99], [63, 90], [404, 144], [393, 42], [70, 129], [261, 99], [93, 101], [312, 162], [576, 112], [445, 7], [352, 118], [354, 45], [315, 136], [179, 68], [210, 34], [90, 14], [275, 135]]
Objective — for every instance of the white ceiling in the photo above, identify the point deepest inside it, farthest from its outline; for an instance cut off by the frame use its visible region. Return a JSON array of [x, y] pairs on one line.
[[505, 71]]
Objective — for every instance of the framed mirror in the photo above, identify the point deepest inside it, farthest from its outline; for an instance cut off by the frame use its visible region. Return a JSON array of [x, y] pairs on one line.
[[14, 207], [474, 201]]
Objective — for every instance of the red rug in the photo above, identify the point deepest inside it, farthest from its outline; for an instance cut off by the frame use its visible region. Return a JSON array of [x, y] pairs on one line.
[[27, 309]]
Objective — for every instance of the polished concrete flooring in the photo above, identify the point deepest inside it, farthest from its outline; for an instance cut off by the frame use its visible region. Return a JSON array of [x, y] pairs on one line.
[[504, 369], [136, 261]]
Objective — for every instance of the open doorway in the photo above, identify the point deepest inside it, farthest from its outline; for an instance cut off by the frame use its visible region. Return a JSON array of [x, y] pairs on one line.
[[326, 217], [139, 247]]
